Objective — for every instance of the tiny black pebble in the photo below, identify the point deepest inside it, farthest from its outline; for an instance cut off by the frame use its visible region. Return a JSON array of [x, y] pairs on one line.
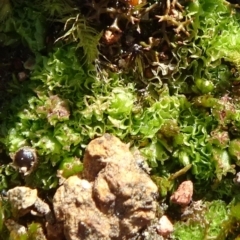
[[24, 158]]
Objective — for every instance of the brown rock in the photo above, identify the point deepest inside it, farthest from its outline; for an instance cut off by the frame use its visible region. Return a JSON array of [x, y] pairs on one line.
[[74, 205], [24, 200], [183, 195], [102, 151], [117, 200], [165, 227]]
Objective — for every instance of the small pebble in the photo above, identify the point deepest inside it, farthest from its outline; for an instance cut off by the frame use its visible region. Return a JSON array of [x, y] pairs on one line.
[[165, 227], [183, 195]]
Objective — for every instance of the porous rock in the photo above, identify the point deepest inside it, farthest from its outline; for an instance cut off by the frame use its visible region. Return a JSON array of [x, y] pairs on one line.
[[115, 200], [24, 200]]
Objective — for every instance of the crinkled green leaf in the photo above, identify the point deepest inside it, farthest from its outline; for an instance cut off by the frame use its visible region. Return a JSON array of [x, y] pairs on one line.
[[234, 150], [222, 163], [204, 223]]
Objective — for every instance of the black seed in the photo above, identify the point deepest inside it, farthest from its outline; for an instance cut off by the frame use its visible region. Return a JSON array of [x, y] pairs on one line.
[[24, 158]]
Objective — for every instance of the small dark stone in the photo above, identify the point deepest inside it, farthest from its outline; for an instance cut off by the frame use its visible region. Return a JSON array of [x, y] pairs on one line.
[[25, 159]]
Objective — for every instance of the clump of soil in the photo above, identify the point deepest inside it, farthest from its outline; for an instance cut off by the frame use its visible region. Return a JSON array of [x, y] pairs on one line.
[[115, 200]]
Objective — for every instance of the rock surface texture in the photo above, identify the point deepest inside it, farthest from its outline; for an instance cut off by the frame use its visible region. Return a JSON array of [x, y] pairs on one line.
[[114, 199], [24, 200]]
